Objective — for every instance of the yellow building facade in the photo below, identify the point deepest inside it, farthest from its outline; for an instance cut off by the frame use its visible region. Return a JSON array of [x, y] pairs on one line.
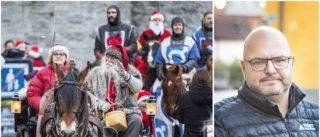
[[299, 21]]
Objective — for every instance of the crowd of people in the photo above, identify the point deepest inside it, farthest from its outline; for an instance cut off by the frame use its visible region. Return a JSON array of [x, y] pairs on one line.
[[116, 76]]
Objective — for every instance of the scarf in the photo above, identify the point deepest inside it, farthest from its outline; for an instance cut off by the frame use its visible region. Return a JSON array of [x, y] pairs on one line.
[[111, 94]]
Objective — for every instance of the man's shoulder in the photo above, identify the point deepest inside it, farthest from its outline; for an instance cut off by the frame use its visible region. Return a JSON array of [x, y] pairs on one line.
[[126, 26], [309, 105], [148, 32], [102, 27], [199, 31], [189, 40], [229, 106], [166, 40]]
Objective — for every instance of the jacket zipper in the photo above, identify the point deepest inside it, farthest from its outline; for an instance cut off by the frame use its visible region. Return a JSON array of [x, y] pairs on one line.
[[285, 123]]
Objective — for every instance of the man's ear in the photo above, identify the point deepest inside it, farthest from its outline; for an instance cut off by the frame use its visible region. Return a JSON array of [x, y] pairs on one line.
[[292, 60], [243, 67]]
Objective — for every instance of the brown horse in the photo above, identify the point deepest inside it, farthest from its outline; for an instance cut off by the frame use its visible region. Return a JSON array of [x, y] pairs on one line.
[[173, 87], [209, 68], [69, 114]]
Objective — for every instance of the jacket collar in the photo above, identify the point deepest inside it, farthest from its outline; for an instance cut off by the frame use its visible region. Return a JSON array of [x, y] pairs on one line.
[[267, 106]]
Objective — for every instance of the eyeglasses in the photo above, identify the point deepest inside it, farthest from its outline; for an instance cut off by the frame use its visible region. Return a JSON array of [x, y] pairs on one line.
[[260, 64], [58, 54]]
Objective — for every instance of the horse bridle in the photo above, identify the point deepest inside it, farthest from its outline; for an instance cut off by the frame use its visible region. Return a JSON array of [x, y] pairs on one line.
[[57, 101]]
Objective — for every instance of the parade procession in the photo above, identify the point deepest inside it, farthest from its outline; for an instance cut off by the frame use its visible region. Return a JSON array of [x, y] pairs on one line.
[[138, 84], [213, 68]]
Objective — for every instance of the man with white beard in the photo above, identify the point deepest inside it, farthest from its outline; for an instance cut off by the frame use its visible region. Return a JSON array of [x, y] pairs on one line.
[[116, 81], [156, 28]]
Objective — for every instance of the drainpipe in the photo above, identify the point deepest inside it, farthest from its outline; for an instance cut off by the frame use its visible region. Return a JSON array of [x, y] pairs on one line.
[[281, 15], [159, 6]]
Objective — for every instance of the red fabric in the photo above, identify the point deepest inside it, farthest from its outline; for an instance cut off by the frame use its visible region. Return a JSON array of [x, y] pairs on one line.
[[141, 64], [37, 63], [143, 93], [165, 34], [156, 12], [111, 94], [122, 50], [19, 42], [145, 120], [40, 84], [35, 48]]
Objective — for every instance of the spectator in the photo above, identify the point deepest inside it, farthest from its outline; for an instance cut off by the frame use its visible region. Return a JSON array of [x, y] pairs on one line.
[[142, 101], [34, 54], [9, 44], [195, 106], [18, 51]]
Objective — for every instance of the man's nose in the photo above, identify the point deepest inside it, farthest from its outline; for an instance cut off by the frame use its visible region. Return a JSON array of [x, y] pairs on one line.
[[270, 68]]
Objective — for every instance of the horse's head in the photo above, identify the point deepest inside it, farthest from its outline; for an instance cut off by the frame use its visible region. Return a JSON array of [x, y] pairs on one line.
[[172, 86], [71, 101]]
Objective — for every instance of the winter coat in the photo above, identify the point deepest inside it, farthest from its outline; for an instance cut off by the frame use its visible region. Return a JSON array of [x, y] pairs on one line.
[[126, 90], [250, 115], [40, 84], [195, 110]]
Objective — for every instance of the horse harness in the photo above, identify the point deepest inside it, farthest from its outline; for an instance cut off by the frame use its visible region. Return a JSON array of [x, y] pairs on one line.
[[52, 109]]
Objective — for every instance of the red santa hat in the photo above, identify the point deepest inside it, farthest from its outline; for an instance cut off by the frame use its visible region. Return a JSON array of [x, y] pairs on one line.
[[157, 14], [20, 43], [34, 52], [143, 95], [120, 53], [59, 47]]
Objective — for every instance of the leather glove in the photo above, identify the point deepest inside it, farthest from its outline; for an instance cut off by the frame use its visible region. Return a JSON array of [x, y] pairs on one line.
[[98, 55], [100, 104], [159, 72], [120, 70]]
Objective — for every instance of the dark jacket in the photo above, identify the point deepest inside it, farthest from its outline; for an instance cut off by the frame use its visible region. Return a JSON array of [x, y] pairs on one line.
[[249, 115], [195, 110]]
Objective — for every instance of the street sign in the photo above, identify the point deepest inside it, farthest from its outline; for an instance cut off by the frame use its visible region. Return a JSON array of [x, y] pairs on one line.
[[12, 79]]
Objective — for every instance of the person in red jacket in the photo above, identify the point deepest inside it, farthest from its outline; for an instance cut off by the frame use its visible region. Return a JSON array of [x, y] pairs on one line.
[[156, 28], [142, 101], [45, 78]]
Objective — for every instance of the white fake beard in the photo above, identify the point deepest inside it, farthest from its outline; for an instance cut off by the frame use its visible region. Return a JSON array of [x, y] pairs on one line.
[[107, 68], [157, 28]]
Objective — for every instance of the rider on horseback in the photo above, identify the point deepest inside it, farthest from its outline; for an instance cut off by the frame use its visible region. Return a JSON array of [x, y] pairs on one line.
[[115, 32], [179, 49], [45, 78], [116, 81]]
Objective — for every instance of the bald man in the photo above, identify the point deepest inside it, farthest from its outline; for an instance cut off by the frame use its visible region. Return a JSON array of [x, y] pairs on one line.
[[268, 103]]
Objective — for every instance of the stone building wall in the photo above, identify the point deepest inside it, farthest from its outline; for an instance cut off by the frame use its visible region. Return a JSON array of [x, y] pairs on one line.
[[76, 21]]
